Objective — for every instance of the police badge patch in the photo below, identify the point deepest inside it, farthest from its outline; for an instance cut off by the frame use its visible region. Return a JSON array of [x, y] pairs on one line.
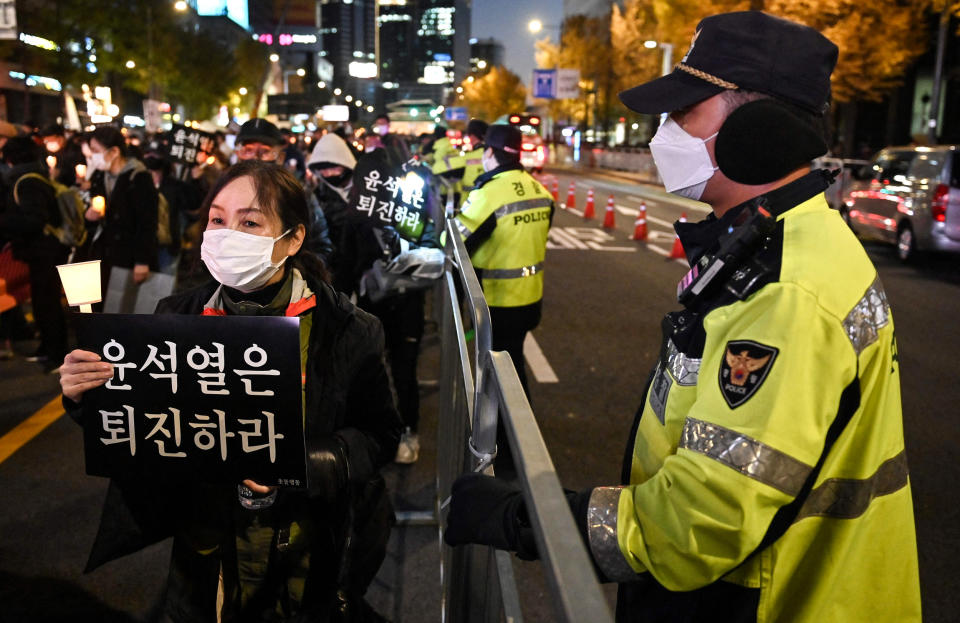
[[745, 366]]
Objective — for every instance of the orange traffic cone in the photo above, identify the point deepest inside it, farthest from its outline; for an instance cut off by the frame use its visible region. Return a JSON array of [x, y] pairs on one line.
[[609, 216], [677, 250], [640, 225], [588, 211], [556, 191], [572, 196]]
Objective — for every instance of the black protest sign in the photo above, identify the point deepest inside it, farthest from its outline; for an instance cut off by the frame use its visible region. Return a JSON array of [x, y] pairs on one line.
[[212, 398], [391, 196], [189, 146]]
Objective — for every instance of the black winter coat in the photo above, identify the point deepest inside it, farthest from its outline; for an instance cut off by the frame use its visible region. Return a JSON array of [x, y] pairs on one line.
[[130, 225], [352, 429]]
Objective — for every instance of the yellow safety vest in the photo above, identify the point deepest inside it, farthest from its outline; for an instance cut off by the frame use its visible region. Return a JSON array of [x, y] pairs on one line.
[[510, 261], [473, 168], [729, 435], [446, 158]]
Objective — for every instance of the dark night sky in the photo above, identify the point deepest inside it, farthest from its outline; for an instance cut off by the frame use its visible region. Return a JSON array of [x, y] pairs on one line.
[[506, 21]]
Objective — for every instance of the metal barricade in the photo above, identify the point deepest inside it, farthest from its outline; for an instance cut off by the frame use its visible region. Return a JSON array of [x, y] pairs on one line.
[[476, 391]]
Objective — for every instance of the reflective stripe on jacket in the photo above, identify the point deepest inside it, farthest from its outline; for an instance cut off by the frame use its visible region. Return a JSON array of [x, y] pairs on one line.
[[734, 423], [510, 261], [473, 168]]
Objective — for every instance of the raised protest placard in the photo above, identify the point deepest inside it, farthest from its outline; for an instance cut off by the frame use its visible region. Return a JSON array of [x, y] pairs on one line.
[[391, 196], [186, 144], [210, 398]]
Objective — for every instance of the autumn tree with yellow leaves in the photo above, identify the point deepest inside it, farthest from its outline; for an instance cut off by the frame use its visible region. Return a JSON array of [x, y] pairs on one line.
[[878, 40], [498, 92], [584, 46]]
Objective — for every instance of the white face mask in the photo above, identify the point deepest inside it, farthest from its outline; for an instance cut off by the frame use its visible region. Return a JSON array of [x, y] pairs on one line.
[[682, 160], [382, 129], [96, 161], [240, 260], [488, 163]]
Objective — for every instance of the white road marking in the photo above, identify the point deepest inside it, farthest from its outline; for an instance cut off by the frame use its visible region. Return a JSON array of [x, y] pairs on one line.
[[594, 245], [627, 211], [660, 221], [564, 239], [538, 362]]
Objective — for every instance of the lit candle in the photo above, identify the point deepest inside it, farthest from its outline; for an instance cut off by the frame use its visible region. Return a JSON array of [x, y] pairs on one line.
[[52, 162], [81, 170], [81, 283], [99, 204]]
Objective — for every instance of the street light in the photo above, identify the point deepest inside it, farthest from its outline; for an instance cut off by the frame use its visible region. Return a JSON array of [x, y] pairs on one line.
[[349, 98], [667, 48], [667, 65], [180, 5], [337, 91], [274, 58], [481, 64], [322, 84], [301, 72], [242, 90], [131, 64], [535, 26]]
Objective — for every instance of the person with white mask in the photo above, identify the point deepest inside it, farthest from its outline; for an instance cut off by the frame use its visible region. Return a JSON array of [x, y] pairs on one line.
[[129, 217], [504, 224], [765, 475], [306, 553]]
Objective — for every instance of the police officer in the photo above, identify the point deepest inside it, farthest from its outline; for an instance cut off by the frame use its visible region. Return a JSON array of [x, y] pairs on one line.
[[765, 478], [473, 158], [504, 224]]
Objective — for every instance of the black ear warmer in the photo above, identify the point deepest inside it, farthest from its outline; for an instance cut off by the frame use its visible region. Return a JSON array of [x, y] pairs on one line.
[[762, 141]]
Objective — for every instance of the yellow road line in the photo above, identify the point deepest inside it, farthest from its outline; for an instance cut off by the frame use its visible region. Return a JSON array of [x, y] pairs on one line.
[[30, 428]]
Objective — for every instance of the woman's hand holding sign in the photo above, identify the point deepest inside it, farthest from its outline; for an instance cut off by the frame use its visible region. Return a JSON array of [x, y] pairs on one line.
[[83, 370]]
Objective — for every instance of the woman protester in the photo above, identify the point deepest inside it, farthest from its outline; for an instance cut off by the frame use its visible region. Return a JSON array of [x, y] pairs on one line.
[[129, 234], [302, 555]]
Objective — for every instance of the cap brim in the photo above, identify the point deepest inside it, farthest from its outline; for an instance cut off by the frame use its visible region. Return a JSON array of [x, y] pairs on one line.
[[266, 140], [674, 91]]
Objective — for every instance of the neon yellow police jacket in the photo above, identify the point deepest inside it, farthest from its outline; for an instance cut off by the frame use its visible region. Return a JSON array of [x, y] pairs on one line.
[[738, 491], [505, 223]]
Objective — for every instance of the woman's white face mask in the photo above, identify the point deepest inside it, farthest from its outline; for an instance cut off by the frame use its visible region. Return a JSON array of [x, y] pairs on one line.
[[682, 160], [240, 260]]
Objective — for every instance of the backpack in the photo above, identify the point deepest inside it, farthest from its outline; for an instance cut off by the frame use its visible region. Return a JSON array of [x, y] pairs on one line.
[[72, 231]]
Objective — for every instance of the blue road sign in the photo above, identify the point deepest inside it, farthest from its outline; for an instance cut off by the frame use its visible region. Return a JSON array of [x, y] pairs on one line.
[[545, 83], [456, 113]]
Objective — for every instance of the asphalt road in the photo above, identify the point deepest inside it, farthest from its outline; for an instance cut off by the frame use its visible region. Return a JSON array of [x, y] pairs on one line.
[[605, 296]]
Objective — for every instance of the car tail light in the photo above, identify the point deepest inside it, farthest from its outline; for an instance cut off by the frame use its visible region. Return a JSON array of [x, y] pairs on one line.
[[938, 206], [534, 120], [514, 119], [527, 147]]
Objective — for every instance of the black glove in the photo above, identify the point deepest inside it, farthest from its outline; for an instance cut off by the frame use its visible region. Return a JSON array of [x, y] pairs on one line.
[[489, 511], [390, 242]]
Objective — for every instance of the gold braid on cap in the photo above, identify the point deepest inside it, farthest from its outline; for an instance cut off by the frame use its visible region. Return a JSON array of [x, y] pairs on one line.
[[720, 82]]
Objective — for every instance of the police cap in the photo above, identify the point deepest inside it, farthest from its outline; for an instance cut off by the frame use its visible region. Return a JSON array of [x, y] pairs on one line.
[[505, 137], [477, 127], [747, 50]]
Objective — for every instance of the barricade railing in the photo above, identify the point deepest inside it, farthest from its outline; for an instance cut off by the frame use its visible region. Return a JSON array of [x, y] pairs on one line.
[[478, 390]]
